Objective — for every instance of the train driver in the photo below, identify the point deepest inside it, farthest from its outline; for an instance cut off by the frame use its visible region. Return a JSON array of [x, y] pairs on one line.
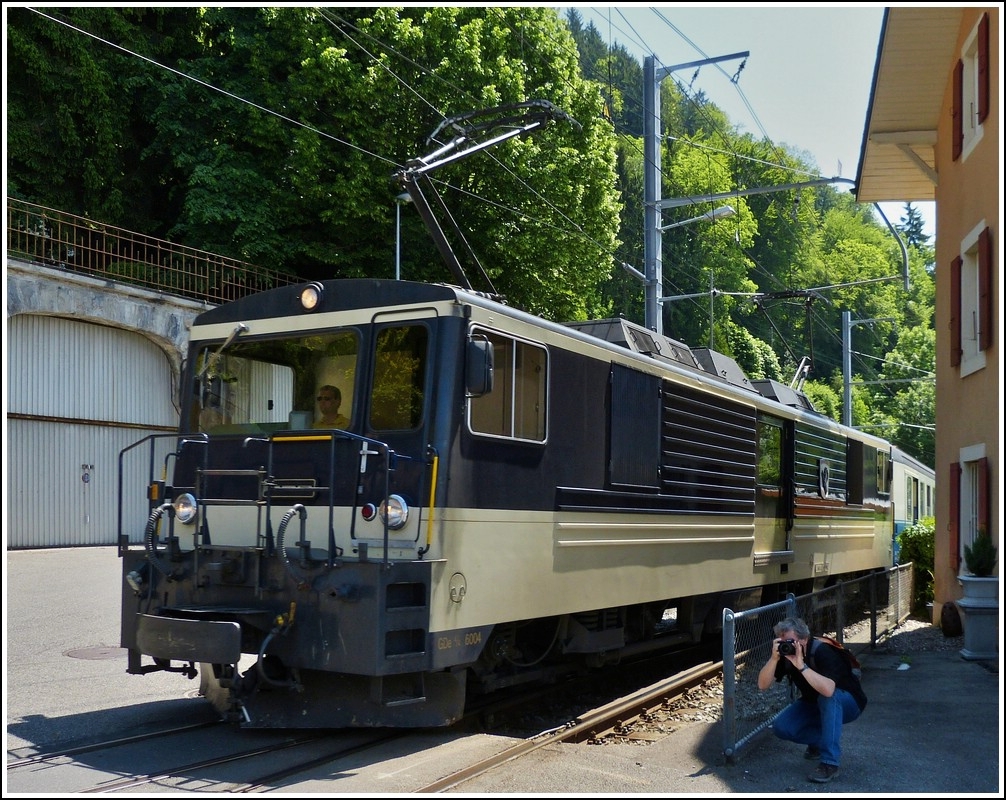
[[329, 400]]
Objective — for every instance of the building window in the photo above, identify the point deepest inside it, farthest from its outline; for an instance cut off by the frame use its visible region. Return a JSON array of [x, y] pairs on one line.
[[969, 499], [971, 302], [971, 90]]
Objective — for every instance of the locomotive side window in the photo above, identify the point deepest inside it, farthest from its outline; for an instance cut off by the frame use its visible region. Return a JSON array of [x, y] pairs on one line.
[[769, 469], [399, 377], [769, 451], [516, 406]]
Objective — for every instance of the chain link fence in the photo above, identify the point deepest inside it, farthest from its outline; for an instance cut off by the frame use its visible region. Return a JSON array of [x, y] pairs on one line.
[[858, 613]]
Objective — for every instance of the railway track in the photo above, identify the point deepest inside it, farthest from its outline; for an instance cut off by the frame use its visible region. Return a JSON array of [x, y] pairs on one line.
[[594, 725], [70, 752], [245, 762]]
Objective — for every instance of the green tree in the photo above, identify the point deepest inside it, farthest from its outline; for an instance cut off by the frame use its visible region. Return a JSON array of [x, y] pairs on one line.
[[77, 114], [912, 226], [272, 134], [321, 203]]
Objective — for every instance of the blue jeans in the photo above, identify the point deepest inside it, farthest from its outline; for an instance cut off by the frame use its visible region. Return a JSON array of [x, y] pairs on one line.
[[818, 724]]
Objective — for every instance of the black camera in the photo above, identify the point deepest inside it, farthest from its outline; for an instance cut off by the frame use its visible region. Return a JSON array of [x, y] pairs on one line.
[[787, 647]]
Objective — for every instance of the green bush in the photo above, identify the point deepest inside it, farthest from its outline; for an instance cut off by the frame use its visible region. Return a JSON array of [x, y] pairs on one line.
[[917, 545]]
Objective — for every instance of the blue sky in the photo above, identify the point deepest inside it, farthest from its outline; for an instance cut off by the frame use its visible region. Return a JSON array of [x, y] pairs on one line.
[[806, 81]]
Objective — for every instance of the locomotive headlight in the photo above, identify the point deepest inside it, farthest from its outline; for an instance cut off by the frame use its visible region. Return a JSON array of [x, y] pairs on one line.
[[310, 296], [185, 508], [395, 512]]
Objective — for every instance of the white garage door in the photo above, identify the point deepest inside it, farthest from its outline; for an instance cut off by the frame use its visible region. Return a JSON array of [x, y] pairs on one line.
[[78, 393]]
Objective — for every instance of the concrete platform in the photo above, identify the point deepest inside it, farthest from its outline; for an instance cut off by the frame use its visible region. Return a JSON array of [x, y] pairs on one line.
[[933, 724]]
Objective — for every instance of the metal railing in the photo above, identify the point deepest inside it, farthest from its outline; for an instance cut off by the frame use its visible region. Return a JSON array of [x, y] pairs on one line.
[[58, 239], [858, 613]]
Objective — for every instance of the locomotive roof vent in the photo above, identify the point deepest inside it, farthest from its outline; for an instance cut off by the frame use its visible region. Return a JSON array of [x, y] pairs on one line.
[[784, 394], [724, 367], [638, 339]]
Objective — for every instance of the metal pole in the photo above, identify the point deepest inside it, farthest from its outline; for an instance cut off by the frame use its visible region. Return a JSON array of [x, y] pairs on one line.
[[653, 266], [398, 240], [652, 204], [847, 368], [404, 197], [712, 307], [847, 323]]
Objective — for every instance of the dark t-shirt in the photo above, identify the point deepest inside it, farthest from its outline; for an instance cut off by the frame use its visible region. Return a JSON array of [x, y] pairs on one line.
[[826, 660]]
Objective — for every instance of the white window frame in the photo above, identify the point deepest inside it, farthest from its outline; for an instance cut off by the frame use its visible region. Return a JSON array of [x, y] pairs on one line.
[[972, 356], [968, 522], [972, 128]]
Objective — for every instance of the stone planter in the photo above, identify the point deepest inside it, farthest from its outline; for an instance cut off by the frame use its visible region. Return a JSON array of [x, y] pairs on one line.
[[980, 611]]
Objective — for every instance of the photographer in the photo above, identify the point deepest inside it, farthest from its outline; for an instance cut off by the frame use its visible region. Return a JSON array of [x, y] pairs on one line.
[[830, 694]]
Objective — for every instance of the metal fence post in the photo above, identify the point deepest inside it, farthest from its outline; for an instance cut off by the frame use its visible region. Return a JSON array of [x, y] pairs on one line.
[[729, 685]]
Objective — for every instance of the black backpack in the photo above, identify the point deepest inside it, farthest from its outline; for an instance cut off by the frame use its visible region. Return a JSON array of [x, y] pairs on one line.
[[855, 668], [851, 660]]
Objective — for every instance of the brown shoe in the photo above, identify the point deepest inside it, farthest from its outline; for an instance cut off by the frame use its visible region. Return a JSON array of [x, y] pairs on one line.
[[823, 773]]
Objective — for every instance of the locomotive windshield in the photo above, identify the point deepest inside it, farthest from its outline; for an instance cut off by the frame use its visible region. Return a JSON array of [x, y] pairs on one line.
[[302, 382], [263, 385]]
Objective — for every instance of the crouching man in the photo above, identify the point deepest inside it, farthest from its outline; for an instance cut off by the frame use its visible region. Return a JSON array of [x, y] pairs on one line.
[[830, 694]]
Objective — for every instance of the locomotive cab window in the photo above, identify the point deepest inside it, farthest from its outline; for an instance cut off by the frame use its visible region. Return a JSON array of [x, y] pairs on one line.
[[516, 406], [260, 386], [400, 360]]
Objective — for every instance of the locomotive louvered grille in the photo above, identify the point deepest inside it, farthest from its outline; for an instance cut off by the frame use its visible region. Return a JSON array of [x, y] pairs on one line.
[[601, 620], [813, 446], [708, 452]]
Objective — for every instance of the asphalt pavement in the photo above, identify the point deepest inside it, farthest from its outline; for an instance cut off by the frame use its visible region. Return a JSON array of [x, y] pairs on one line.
[[933, 724]]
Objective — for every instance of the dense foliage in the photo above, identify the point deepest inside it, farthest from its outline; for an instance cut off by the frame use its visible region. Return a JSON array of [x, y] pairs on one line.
[[272, 134], [917, 546]]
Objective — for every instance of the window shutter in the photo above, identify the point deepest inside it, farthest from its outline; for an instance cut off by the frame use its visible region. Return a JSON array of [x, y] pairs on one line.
[[954, 522], [957, 111], [955, 311], [985, 301], [983, 68], [983, 495]]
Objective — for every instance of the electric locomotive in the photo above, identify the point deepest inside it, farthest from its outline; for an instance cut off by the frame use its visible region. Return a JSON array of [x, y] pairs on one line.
[[510, 497], [499, 499]]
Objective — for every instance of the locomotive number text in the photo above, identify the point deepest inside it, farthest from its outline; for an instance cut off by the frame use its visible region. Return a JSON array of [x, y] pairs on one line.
[[460, 640]]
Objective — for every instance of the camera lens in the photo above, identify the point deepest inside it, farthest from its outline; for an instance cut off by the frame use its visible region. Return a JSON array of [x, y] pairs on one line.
[[787, 648]]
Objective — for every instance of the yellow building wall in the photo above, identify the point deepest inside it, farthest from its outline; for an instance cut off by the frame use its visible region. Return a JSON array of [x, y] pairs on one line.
[[969, 409]]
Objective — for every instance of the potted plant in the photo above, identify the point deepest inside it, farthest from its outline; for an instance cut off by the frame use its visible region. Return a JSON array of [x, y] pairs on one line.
[[980, 604], [980, 555]]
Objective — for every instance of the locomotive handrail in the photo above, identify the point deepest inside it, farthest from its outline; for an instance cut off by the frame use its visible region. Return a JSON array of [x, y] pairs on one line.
[[388, 458], [434, 458], [123, 539]]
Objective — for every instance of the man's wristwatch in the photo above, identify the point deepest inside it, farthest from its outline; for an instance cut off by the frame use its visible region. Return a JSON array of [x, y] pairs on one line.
[[805, 667]]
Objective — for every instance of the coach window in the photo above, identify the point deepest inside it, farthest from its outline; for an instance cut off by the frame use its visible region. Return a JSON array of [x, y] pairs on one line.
[[769, 451], [516, 407], [883, 472]]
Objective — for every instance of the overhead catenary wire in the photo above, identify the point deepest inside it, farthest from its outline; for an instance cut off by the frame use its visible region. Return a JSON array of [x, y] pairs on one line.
[[519, 213]]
